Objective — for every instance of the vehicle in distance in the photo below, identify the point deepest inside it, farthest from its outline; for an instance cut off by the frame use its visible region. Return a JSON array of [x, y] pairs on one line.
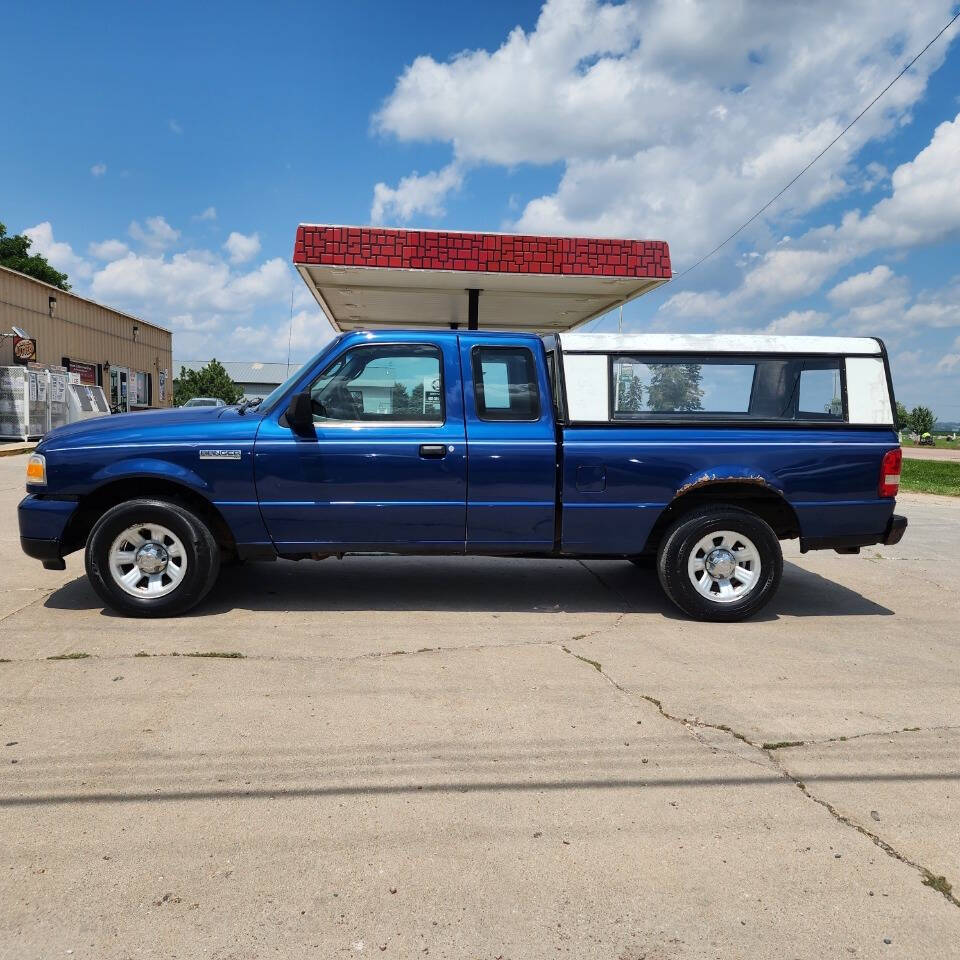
[[699, 452], [204, 402]]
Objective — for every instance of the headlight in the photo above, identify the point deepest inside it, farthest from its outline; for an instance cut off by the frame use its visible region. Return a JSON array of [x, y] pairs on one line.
[[37, 469]]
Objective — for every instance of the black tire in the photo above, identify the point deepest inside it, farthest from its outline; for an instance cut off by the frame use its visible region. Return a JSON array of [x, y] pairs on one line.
[[682, 538], [199, 545]]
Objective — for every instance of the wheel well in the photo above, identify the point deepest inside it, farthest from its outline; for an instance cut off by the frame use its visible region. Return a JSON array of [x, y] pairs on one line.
[[762, 500], [95, 504]]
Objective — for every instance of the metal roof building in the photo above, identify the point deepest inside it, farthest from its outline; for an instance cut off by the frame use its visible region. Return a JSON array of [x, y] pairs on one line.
[[256, 379]]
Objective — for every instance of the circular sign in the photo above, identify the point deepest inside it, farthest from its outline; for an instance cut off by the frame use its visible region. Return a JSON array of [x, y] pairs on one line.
[[24, 350]]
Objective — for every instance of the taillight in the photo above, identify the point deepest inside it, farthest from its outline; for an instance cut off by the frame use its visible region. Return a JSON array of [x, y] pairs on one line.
[[889, 484]]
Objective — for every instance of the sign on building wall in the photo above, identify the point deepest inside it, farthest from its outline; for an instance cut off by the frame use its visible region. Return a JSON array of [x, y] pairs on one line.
[[24, 349], [87, 372], [162, 385]]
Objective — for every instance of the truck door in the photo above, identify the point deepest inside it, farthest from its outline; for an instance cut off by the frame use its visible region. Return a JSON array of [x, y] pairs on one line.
[[387, 467], [511, 442]]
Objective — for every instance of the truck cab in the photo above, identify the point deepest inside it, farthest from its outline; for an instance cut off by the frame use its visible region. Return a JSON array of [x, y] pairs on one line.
[[697, 453]]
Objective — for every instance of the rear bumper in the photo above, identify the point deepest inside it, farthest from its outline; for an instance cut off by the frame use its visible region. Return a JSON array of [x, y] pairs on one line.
[[851, 543], [42, 525]]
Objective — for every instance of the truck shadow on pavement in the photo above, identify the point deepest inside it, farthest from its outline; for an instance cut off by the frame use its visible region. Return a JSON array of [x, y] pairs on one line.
[[475, 585]]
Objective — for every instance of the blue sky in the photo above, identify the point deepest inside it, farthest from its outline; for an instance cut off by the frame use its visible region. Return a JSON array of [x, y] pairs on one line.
[[163, 155]]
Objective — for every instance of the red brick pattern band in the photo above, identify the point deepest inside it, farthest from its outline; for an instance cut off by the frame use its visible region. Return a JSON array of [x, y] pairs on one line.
[[490, 252]]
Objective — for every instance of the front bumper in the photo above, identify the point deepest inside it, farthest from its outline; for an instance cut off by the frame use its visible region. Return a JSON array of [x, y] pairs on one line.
[[851, 543], [43, 522]]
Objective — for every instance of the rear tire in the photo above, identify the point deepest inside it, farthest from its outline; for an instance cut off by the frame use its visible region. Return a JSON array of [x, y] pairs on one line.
[[720, 563], [151, 558]]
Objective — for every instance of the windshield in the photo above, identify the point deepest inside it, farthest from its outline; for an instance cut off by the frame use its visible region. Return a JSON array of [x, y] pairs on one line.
[[200, 402], [274, 395]]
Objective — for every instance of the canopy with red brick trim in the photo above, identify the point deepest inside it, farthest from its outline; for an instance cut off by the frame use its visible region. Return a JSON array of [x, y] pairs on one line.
[[365, 277]]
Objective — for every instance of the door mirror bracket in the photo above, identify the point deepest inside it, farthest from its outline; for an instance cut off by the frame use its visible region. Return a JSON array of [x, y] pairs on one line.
[[299, 415]]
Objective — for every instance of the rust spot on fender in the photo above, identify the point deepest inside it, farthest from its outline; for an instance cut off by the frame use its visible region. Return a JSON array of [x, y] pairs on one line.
[[710, 478]]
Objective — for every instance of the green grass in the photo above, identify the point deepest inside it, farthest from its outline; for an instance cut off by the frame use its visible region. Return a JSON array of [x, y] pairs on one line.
[[225, 655], [931, 476], [939, 443]]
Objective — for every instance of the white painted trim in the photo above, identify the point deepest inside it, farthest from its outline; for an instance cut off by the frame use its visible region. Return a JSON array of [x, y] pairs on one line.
[[713, 343]]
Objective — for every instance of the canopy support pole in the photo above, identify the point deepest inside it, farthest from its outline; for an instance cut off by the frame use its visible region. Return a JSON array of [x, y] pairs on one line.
[[473, 309]]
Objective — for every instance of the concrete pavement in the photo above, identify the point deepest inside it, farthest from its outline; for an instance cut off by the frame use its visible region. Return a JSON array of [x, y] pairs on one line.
[[932, 453], [483, 758]]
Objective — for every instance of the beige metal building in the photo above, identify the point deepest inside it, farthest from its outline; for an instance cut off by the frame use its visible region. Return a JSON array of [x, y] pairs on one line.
[[130, 358]]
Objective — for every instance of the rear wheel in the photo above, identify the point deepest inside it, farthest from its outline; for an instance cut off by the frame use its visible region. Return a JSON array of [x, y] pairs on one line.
[[720, 563], [151, 558]]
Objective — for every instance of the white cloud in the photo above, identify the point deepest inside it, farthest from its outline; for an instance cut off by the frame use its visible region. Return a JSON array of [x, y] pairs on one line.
[[191, 281], [157, 234], [209, 214], [241, 247], [663, 118], [174, 127], [98, 169], [311, 330], [798, 322], [108, 250], [415, 194], [948, 362], [924, 208], [60, 255], [861, 287], [939, 308]]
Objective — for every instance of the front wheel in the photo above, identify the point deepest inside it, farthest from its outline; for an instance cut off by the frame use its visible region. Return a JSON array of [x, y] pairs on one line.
[[720, 563], [151, 558]]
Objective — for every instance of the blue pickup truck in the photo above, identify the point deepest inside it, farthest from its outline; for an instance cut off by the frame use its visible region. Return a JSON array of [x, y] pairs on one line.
[[697, 453]]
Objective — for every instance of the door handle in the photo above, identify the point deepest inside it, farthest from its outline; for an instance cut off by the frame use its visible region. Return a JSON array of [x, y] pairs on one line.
[[434, 451]]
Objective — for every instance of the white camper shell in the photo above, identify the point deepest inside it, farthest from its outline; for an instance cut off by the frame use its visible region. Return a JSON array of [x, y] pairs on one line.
[[596, 365]]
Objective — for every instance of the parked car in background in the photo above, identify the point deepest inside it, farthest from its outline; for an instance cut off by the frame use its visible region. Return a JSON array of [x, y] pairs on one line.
[[204, 402], [701, 452]]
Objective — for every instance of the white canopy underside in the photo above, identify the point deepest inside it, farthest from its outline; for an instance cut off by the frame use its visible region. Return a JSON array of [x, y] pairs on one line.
[[369, 297]]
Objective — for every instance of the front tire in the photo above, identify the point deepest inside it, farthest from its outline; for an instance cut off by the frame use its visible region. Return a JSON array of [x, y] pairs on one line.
[[720, 563], [151, 558]]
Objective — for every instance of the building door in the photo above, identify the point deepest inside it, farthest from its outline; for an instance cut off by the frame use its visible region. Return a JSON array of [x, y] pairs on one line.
[[119, 389]]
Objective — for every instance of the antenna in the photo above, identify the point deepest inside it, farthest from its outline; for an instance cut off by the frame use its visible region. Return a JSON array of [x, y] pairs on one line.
[[290, 332]]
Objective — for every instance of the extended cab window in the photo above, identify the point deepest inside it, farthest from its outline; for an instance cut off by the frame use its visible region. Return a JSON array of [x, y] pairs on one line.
[[398, 383], [791, 388], [505, 383]]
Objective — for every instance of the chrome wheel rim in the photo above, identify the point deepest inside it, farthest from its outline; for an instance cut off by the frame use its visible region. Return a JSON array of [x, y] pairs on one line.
[[147, 560], [724, 566]]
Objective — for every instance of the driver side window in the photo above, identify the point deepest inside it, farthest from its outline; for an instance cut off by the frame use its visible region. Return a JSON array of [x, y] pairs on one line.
[[387, 383]]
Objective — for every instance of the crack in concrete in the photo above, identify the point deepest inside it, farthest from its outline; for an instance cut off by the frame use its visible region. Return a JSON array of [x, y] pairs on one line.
[[788, 744], [927, 877], [214, 655]]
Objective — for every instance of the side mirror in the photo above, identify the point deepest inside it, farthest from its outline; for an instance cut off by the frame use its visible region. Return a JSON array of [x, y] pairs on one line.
[[299, 414]]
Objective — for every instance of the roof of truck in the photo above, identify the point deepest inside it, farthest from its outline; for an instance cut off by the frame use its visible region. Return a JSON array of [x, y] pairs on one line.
[[715, 343], [369, 277]]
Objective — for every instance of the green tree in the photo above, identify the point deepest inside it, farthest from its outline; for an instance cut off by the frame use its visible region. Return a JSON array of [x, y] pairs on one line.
[[674, 387], [922, 420], [15, 255], [210, 381], [903, 417], [629, 392]]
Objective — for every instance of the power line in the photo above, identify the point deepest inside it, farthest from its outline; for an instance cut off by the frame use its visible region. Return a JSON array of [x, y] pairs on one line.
[[777, 196]]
